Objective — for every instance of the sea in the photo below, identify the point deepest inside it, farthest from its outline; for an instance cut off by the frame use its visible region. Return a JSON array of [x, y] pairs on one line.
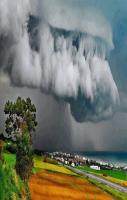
[[119, 158]]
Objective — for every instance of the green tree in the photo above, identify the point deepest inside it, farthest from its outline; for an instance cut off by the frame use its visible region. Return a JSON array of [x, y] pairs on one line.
[[20, 126]]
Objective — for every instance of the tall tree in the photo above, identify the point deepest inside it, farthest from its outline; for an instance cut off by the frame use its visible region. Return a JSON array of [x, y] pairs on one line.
[[20, 126]]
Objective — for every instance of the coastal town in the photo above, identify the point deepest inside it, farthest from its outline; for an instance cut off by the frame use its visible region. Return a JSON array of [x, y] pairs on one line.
[[75, 160]]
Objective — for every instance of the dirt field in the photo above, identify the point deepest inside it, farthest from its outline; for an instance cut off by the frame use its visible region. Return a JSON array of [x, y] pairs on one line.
[[57, 186]]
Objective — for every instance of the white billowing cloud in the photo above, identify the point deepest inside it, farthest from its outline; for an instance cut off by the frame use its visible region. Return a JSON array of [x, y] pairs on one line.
[[102, 77], [26, 67], [71, 57], [70, 16], [67, 69], [58, 70], [13, 15]]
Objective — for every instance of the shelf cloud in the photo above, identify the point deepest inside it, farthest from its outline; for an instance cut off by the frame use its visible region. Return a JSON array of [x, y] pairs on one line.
[[62, 49]]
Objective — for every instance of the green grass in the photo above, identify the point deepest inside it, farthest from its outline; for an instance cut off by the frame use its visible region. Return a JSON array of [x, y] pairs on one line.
[[10, 183], [122, 175], [10, 159]]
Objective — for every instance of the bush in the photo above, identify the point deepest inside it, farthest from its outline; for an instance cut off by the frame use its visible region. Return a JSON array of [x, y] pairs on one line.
[[105, 175]]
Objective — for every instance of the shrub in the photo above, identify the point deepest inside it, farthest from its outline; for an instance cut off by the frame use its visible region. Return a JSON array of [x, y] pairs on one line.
[[105, 175]]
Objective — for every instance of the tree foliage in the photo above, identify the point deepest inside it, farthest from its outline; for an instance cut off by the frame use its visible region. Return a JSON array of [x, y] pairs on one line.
[[20, 124], [20, 113]]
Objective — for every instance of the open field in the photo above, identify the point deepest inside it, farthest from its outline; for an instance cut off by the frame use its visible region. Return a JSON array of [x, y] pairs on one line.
[[52, 186], [40, 165], [121, 175]]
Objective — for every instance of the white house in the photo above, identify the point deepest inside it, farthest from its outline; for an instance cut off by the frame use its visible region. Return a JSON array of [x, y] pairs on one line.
[[73, 164], [95, 167], [125, 168]]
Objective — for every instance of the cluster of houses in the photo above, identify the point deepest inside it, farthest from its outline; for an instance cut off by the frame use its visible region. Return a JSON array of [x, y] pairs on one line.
[[77, 160], [68, 159]]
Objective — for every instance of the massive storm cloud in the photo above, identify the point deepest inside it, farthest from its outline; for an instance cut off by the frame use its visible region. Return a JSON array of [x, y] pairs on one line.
[[61, 49]]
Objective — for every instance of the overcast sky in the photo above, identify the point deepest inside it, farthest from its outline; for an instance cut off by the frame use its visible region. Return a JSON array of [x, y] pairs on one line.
[[59, 127]]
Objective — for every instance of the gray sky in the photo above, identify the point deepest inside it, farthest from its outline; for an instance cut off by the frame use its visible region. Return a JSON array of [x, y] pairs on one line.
[[58, 128]]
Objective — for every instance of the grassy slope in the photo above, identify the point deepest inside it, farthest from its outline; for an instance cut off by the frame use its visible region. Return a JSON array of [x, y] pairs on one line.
[[40, 165], [10, 185], [122, 175]]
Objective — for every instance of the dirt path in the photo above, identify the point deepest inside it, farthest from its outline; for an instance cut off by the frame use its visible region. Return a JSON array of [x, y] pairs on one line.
[[56, 186]]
